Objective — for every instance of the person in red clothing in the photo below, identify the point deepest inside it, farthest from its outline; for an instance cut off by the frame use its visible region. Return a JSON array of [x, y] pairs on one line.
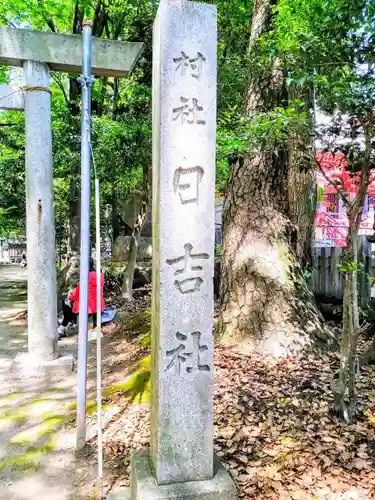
[[71, 305]]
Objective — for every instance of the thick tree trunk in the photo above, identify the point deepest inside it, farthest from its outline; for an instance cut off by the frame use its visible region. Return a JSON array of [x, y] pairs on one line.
[[302, 202], [265, 302]]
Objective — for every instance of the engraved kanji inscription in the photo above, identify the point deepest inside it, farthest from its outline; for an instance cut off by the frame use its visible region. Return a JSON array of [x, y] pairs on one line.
[[178, 355], [198, 350], [183, 357], [190, 65], [191, 275], [186, 183], [189, 111]]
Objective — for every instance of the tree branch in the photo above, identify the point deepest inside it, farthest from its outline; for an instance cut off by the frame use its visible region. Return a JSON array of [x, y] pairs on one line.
[[61, 86], [98, 23], [77, 18], [49, 21], [357, 208], [341, 195]]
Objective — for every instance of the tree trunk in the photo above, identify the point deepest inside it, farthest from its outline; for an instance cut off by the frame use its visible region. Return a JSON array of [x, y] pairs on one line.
[[74, 204], [116, 231], [74, 219], [302, 202], [115, 217], [302, 183], [344, 392], [127, 282], [67, 278], [265, 302]]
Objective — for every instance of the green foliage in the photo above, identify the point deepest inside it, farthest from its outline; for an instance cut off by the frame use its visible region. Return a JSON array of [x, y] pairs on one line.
[[319, 44], [121, 109], [350, 266], [218, 250], [12, 174], [260, 132]]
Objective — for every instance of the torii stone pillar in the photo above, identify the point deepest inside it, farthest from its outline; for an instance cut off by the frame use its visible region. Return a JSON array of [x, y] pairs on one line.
[[40, 233], [37, 53]]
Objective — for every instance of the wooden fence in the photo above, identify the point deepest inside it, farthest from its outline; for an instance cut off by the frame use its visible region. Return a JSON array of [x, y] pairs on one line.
[[326, 279]]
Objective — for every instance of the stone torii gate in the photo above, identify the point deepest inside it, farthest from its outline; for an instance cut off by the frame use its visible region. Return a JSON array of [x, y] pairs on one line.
[[38, 53]]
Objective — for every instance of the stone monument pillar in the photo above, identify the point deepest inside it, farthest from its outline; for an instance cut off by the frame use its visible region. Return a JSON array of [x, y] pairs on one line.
[[181, 462], [184, 125], [41, 258]]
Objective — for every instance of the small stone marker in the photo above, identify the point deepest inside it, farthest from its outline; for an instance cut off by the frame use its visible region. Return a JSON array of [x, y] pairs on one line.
[[181, 464]]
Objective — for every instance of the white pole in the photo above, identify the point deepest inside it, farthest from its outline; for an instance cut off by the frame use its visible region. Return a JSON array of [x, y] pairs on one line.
[[98, 338]]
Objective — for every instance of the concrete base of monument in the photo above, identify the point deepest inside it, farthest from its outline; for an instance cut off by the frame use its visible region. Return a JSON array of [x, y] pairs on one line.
[[26, 367], [144, 487]]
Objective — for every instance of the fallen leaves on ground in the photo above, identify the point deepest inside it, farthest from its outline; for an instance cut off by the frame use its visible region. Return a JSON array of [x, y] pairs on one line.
[[274, 430], [276, 434]]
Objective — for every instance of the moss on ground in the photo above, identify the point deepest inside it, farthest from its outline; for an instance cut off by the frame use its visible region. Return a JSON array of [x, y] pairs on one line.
[[29, 459], [10, 417], [19, 414], [40, 431], [40, 439], [11, 396], [91, 409], [137, 387], [23, 462], [139, 323]]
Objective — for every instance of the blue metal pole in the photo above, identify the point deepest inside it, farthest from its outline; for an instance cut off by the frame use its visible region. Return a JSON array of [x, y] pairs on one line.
[[85, 235]]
